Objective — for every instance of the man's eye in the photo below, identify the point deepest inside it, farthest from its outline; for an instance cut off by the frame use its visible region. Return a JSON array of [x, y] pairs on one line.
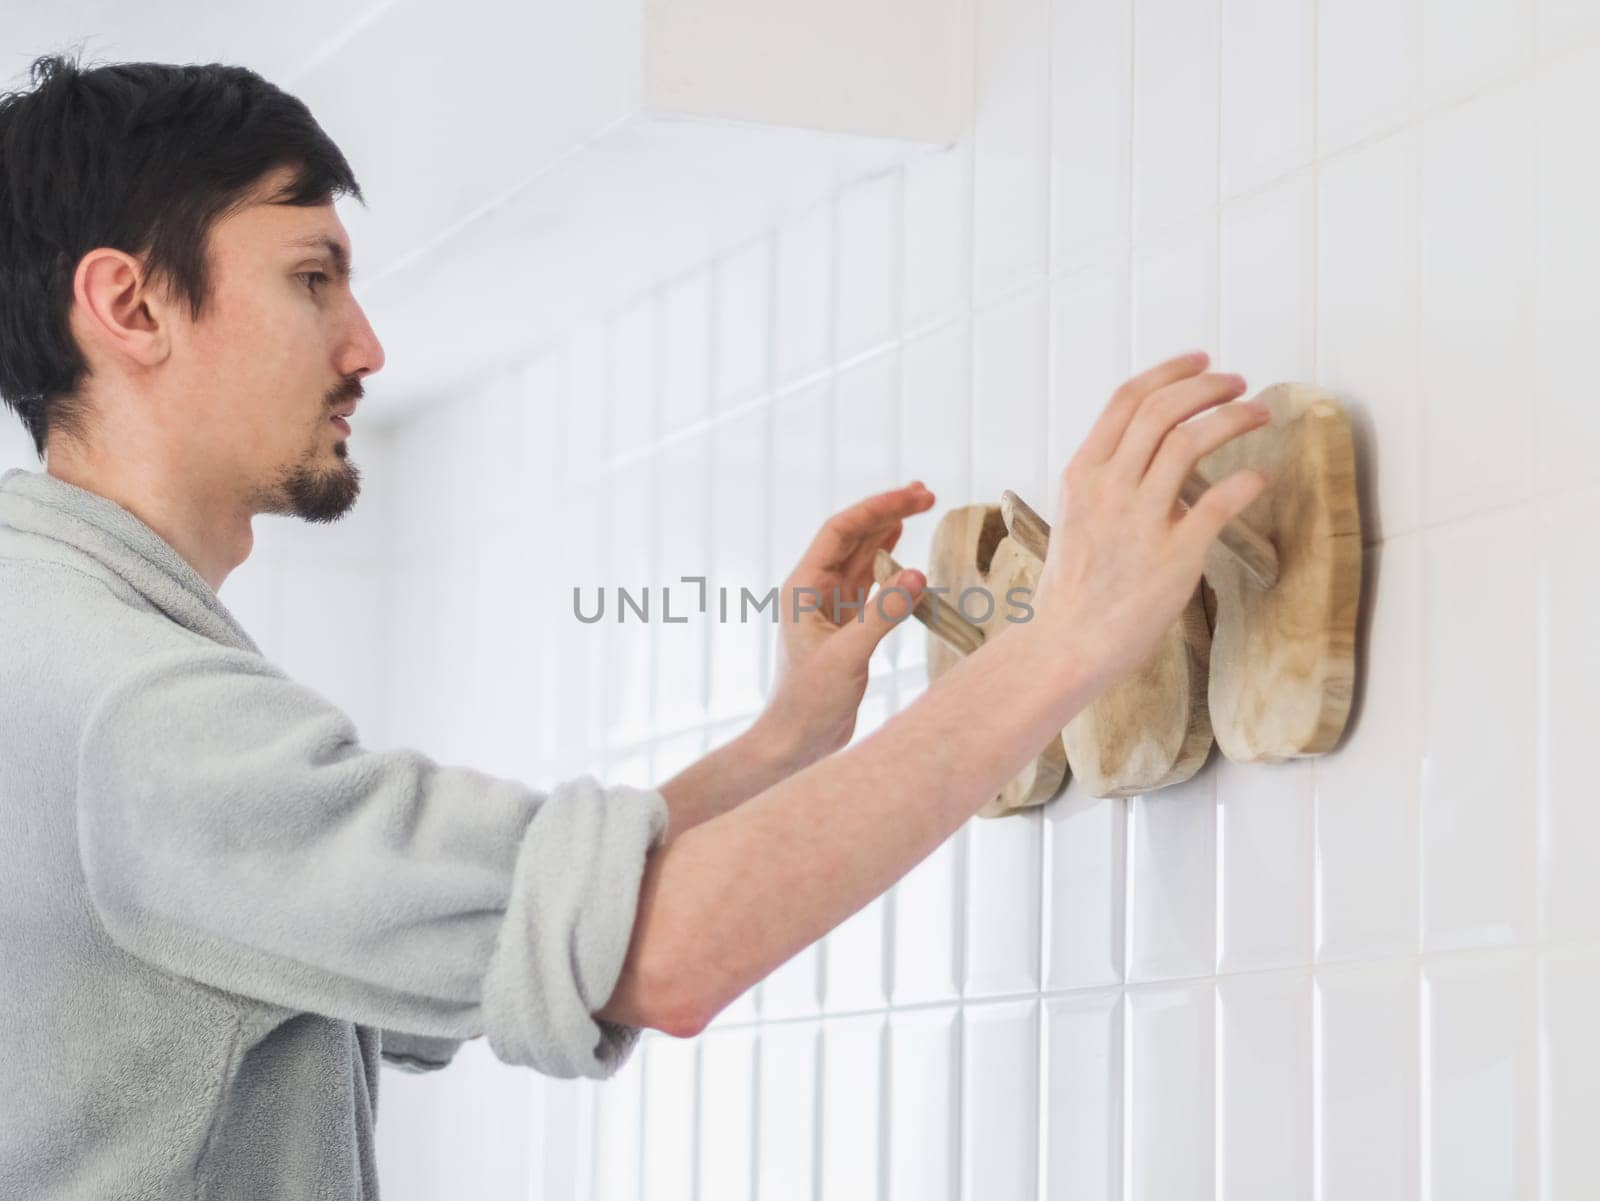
[[316, 275]]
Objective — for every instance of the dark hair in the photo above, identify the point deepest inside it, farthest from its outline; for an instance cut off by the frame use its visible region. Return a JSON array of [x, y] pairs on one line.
[[144, 158]]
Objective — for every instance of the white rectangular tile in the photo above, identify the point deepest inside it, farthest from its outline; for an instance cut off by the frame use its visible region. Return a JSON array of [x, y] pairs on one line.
[[1367, 320], [1264, 1087], [619, 1124], [1268, 284], [1467, 46], [1569, 258], [740, 488], [1089, 350], [869, 264], [1367, 788], [682, 609], [669, 1134], [576, 696], [1175, 294], [1082, 1123], [866, 420], [1368, 1052], [786, 1141], [804, 295], [1267, 77], [1010, 367], [1002, 935], [938, 235], [852, 1063], [686, 351], [1011, 163], [927, 911], [630, 572], [1480, 1078], [1172, 1101], [934, 439], [802, 466], [570, 402], [1369, 70], [742, 333], [497, 414], [1569, 652], [1264, 860], [1172, 836], [1477, 303], [1570, 1054], [1480, 747], [1085, 852], [546, 434], [792, 989], [1175, 106], [727, 1114], [1091, 124], [922, 1133], [633, 379], [1000, 1110]]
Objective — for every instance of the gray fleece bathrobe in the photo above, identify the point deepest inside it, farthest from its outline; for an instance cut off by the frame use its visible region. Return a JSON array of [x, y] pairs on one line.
[[218, 909]]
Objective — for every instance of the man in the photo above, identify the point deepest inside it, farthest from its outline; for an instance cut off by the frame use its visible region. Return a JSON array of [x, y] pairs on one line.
[[221, 909]]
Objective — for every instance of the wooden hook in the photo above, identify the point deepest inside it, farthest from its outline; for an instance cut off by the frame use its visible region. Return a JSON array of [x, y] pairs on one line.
[[1255, 553], [941, 617]]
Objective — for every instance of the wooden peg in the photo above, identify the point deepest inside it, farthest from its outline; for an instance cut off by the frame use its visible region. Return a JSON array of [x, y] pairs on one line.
[[941, 618], [1255, 553]]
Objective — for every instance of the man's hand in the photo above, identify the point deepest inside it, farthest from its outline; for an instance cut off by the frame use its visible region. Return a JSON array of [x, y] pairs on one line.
[[1124, 556], [822, 663]]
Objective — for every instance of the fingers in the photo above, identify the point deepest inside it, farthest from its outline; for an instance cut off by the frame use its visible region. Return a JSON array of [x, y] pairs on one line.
[[1164, 411], [1107, 432], [862, 525], [1183, 448], [858, 569], [1217, 506], [886, 608]]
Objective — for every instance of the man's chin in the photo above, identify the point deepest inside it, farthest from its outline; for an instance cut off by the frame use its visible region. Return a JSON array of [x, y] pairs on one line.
[[323, 494]]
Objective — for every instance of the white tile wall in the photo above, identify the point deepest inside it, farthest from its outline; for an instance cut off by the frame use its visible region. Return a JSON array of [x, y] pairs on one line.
[[1370, 976]]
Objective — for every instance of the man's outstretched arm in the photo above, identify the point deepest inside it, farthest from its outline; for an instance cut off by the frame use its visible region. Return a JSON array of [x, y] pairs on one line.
[[740, 894]]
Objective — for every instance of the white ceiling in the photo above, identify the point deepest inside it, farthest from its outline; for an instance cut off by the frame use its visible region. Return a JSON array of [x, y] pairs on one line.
[[513, 185]]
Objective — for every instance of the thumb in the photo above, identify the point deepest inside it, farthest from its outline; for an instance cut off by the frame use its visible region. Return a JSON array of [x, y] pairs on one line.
[[890, 604]]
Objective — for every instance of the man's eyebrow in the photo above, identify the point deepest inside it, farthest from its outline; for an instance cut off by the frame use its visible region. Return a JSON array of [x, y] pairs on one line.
[[334, 250]]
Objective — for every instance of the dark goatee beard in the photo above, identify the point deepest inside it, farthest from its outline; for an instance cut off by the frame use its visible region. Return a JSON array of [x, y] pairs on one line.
[[323, 494]]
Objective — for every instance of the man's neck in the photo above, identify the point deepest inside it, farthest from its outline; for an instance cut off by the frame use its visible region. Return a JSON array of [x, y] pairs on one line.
[[211, 532]]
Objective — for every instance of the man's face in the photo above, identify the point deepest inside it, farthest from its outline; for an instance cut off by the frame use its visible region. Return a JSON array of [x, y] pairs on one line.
[[282, 345]]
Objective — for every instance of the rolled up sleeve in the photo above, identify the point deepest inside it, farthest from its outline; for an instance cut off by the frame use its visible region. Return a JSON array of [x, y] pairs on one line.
[[234, 831]]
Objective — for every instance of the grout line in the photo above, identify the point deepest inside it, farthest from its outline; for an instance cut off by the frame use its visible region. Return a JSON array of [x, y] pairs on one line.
[[1318, 1118]]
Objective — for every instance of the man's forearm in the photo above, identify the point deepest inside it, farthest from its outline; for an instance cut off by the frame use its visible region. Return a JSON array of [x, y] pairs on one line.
[[726, 777], [745, 891]]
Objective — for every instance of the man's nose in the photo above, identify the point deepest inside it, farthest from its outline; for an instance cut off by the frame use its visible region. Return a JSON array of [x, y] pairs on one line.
[[366, 352]]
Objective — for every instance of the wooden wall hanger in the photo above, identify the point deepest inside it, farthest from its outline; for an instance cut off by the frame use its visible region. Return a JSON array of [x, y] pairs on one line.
[[972, 550], [1286, 578]]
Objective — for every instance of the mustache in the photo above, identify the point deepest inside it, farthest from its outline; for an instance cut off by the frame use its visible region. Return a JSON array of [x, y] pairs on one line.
[[348, 389]]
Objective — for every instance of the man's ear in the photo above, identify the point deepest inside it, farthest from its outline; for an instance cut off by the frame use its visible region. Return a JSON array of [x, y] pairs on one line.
[[116, 312]]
